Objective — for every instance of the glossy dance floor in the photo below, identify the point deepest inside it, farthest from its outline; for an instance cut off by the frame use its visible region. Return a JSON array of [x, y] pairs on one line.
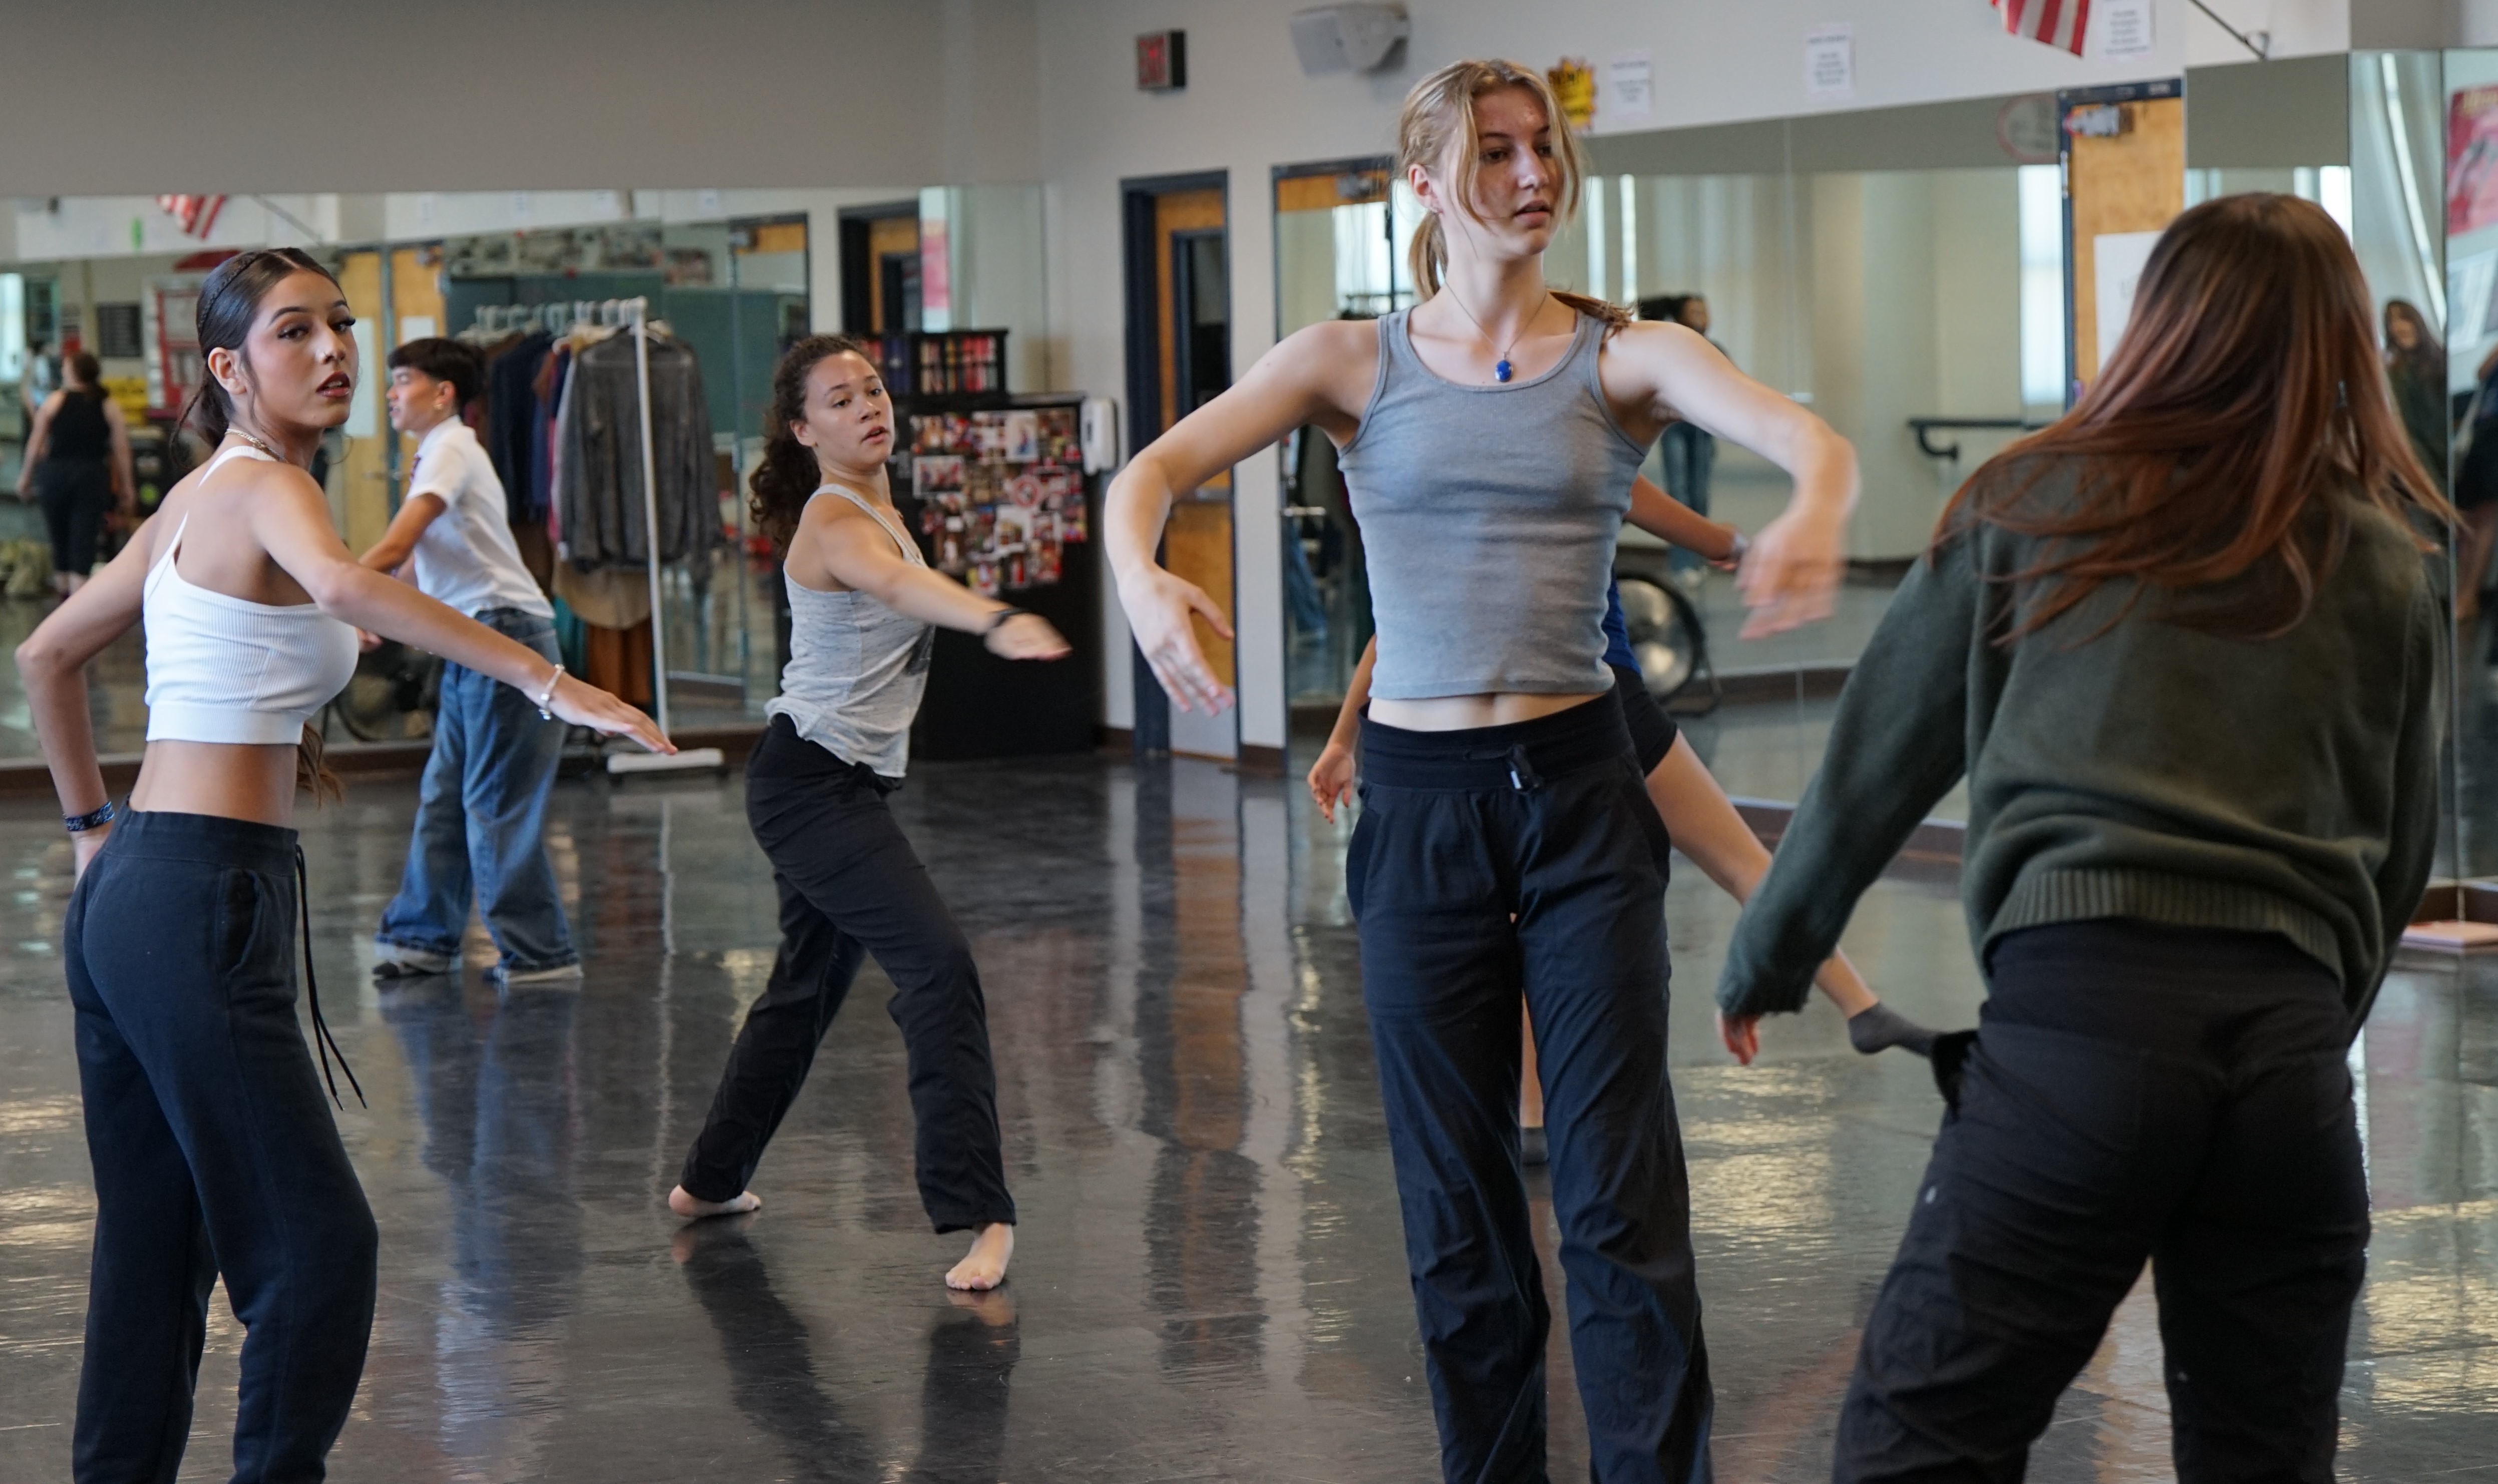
[[1209, 1283]]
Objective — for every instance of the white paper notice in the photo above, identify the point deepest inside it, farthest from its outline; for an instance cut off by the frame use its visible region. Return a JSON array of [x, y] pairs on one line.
[[2125, 28], [416, 326], [1630, 87], [2117, 261], [1829, 62]]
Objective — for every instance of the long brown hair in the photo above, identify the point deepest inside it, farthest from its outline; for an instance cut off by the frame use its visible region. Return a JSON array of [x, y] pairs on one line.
[[788, 475], [228, 301], [2237, 421], [1436, 130]]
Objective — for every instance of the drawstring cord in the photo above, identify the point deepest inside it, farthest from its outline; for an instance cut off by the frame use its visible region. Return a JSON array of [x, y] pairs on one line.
[[1522, 770], [322, 1041]]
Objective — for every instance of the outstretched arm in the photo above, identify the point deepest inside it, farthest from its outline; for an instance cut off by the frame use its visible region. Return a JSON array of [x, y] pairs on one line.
[[1304, 380], [1707, 829], [291, 520], [406, 529], [1791, 576], [1671, 521], [858, 553]]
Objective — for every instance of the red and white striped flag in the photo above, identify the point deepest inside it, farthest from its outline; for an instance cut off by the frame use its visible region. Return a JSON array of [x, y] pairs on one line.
[[2057, 22]]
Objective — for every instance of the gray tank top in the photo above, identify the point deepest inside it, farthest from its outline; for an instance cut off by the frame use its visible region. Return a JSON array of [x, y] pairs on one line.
[[856, 667], [1489, 516]]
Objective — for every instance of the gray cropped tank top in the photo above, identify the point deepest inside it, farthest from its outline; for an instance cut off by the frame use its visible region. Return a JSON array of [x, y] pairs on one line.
[[856, 667], [1489, 516]]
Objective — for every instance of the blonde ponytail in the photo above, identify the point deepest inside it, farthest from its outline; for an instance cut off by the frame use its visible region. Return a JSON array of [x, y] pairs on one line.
[[1436, 130]]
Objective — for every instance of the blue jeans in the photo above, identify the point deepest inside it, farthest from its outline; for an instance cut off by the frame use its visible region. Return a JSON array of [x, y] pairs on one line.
[[1689, 454], [481, 819]]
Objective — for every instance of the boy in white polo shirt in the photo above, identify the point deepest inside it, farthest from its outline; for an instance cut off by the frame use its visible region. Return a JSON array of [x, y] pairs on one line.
[[481, 819]]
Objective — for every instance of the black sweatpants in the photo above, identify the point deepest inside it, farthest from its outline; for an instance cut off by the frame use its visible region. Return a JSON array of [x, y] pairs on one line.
[[2137, 1092], [850, 886], [1490, 864], [76, 495], [214, 1153]]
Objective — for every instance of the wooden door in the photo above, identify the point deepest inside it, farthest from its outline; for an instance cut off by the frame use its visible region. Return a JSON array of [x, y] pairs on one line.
[[416, 312], [1198, 544], [360, 498]]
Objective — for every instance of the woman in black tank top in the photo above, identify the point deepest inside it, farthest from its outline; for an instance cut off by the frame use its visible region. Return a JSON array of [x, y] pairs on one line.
[[77, 458]]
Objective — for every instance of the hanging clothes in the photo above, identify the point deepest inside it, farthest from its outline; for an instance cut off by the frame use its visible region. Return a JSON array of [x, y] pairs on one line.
[[510, 403], [599, 496]]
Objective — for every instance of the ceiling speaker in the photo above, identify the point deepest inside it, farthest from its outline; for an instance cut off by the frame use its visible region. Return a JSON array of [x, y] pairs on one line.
[[1348, 38]]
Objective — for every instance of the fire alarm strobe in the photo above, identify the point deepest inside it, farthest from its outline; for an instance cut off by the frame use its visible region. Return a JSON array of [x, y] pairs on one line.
[[1162, 61], [1348, 38]]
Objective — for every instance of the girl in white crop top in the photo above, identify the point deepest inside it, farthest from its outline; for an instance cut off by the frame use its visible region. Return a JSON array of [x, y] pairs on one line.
[[206, 1109], [250, 599]]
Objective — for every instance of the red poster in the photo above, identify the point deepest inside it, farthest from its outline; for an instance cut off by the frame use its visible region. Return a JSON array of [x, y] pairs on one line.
[[2471, 160]]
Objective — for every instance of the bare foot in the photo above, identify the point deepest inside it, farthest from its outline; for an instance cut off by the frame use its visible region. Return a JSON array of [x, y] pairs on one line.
[[985, 1267], [738, 1204]]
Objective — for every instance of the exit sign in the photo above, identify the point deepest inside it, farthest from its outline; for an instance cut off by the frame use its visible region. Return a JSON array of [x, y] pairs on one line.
[[1162, 61]]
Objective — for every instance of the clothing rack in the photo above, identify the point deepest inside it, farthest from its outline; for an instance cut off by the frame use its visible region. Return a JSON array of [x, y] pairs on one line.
[[635, 314]]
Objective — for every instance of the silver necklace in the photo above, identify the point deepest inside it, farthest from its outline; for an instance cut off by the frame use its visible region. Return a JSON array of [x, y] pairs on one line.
[[1501, 369], [259, 443]]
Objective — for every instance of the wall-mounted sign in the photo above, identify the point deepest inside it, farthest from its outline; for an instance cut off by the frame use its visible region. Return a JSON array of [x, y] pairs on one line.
[[2125, 28], [1162, 61], [1631, 81], [1829, 62]]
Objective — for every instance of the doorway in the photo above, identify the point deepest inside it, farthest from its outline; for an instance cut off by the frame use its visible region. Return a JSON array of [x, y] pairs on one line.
[[881, 267], [1179, 358]]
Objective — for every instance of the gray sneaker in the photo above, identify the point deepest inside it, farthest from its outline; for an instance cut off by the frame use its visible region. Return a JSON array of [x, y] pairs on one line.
[[523, 979], [398, 962]]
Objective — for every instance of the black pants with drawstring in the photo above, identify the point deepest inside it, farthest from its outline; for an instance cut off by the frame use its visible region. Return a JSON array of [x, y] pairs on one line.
[[1491, 865], [215, 1154]]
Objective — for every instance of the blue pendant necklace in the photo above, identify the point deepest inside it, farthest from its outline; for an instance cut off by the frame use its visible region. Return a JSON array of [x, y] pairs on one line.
[[1501, 369]]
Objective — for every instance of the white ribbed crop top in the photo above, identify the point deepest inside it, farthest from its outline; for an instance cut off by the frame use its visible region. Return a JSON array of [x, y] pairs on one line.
[[227, 669]]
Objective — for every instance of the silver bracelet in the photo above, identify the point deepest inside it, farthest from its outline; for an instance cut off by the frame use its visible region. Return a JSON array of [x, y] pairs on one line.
[[544, 697]]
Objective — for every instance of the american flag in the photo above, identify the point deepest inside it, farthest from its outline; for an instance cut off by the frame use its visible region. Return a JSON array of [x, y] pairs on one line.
[[2057, 22]]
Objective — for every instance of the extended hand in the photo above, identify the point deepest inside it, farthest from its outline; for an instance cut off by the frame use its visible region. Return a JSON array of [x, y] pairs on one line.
[[1790, 578], [583, 704], [1742, 1034], [1331, 778], [1158, 608], [1027, 636]]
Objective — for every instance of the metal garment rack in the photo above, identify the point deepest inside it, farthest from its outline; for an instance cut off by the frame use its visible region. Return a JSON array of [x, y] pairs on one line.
[[693, 757]]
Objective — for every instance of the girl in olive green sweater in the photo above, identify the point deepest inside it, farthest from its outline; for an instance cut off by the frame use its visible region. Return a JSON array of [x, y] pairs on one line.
[[2185, 647]]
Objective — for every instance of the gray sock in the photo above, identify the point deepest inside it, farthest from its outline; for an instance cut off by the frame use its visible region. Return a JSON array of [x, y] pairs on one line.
[[1878, 1027]]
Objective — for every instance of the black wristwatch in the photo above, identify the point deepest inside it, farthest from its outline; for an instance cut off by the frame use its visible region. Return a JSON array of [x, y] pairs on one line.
[[997, 620], [95, 818]]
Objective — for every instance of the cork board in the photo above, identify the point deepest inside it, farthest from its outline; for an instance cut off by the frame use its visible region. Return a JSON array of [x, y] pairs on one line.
[[2133, 181]]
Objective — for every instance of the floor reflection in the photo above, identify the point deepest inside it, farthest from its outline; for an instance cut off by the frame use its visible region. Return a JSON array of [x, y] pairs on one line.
[[1208, 1282]]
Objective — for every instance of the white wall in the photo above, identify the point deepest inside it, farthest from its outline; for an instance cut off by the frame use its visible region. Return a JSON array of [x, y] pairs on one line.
[[312, 95]]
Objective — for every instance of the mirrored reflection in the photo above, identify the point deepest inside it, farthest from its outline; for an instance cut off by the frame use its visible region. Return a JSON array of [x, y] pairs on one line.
[[495, 1091]]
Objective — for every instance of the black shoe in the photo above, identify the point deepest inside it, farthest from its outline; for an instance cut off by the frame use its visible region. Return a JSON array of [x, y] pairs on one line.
[[1531, 1146]]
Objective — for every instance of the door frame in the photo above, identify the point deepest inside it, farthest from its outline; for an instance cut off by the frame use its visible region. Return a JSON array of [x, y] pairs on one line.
[[858, 259], [1141, 277]]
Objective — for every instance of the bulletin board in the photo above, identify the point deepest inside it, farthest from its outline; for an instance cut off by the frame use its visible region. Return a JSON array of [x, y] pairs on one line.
[[2125, 180]]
